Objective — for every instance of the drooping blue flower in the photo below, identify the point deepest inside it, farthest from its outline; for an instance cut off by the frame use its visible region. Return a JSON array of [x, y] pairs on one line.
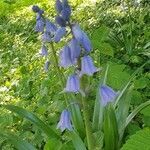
[[58, 6], [39, 27], [46, 66], [73, 84], [66, 12], [44, 51], [65, 57], [81, 37], [75, 48], [46, 37], [50, 27], [60, 21], [107, 94], [87, 66], [59, 34], [65, 121]]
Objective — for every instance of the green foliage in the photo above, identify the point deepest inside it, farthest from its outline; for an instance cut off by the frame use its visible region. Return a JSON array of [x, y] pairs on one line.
[[138, 141]]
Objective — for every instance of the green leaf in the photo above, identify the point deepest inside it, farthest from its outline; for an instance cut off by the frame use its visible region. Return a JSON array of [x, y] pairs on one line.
[[123, 110], [77, 119], [136, 111], [128, 83], [110, 128], [17, 142], [138, 141], [141, 83], [77, 141], [53, 144], [146, 111], [34, 119], [98, 108]]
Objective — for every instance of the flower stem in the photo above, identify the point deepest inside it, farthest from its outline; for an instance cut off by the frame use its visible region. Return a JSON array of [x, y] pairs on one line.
[[88, 128]]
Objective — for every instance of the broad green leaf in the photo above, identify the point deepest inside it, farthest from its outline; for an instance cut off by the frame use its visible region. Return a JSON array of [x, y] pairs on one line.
[[146, 111], [141, 83], [128, 83], [77, 141], [138, 141], [17, 142], [110, 129], [33, 118]]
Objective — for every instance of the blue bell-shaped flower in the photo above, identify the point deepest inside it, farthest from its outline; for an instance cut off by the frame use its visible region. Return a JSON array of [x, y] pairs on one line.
[[73, 84], [43, 51], [46, 66], [87, 66], [39, 27], [50, 27], [81, 37], [65, 57], [65, 121], [75, 49], [59, 34], [46, 37], [107, 94], [66, 12]]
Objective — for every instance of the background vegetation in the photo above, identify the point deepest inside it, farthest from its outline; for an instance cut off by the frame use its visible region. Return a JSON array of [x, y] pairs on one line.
[[120, 34]]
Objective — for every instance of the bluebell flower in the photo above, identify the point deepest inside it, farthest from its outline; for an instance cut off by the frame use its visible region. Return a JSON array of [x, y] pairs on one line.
[[65, 57], [107, 94], [46, 66], [73, 84], [50, 27], [58, 6], [81, 37], [59, 34], [44, 51], [39, 27], [87, 66], [46, 37], [65, 121], [60, 21], [75, 48], [65, 13]]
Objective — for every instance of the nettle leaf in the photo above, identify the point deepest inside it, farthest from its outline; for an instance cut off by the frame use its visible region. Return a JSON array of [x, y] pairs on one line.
[[141, 83], [146, 111], [117, 76], [98, 41], [138, 141]]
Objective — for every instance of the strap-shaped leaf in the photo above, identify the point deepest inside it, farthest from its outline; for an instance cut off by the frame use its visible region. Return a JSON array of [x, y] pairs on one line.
[[138, 141], [33, 118], [110, 128], [77, 141], [136, 111], [17, 142]]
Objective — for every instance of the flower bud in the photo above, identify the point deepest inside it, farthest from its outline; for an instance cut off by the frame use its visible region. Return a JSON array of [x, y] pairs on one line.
[[46, 37], [58, 6], [39, 27], [60, 21], [44, 51]]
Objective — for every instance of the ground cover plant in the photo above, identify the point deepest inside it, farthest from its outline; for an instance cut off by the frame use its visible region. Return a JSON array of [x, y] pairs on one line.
[[74, 75]]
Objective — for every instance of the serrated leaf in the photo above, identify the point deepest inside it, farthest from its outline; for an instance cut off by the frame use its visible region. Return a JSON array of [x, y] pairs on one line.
[[138, 141]]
